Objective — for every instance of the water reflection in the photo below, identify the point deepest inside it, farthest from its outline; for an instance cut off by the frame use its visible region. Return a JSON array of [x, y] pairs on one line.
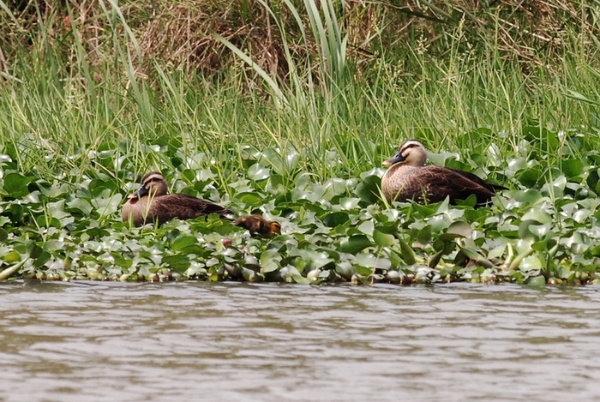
[[112, 341]]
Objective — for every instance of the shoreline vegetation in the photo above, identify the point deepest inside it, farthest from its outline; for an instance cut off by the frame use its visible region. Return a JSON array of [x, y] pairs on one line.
[[287, 109]]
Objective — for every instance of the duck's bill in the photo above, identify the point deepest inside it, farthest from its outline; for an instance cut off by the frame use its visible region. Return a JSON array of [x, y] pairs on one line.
[[394, 159], [140, 193]]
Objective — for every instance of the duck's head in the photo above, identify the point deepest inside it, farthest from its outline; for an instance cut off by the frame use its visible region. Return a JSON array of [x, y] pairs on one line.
[[153, 184], [412, 152]]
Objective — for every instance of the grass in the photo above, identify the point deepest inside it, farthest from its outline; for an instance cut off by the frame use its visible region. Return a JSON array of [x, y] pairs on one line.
[[309, 156]]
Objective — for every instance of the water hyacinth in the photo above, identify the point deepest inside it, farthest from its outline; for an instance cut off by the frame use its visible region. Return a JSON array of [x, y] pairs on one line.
[[334, 231]]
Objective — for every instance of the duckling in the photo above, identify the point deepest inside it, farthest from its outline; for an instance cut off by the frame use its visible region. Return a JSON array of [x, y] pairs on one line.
[[256, 224], [409, 179], [151, 203]]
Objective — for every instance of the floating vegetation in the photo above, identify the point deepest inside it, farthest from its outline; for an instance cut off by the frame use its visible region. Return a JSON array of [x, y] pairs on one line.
[[544, 230]]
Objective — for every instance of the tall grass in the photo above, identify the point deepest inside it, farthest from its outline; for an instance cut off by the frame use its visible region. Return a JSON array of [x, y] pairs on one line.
[[54, 116]]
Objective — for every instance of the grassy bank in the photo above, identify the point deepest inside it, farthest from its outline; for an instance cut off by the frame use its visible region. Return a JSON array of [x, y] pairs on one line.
[[78, 128]]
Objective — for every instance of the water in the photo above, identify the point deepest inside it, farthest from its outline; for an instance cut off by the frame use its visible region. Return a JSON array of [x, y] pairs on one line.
[[239, 342]]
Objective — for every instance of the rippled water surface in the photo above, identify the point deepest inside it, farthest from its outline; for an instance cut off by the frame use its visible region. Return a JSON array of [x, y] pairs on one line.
[[238, 342]]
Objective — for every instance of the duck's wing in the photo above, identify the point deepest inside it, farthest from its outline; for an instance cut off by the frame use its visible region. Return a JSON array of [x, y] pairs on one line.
[[456, 184], [185, 206], [479, 180]]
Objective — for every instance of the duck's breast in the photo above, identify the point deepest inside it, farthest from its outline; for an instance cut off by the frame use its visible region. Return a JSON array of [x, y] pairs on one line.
[[402, 183], [136, 210]]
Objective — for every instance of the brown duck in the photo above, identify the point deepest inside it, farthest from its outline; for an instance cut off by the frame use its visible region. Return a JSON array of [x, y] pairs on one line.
[[409, 179], [152, 203]]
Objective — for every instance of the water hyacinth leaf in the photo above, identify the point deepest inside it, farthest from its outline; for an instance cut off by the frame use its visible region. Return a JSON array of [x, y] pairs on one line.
[[336, 219], [593, 180], [460, 228], [529, 197], [3, 235], [311, 258], [336, 186], [258, 172], [15, 185], [178, 262], [48, 221], [345, 269], [355, 244], [42, 259], [250, 198], [572, 167], [424, 235], [80, 204], [383, 239], [395, 258], [372, 261], [107, 205], [269, 261], [251, 276], [296, 276], [368, 189], [530, 263], [538, 281], [439, 223], [367, 227], [363, 271], [537, 215], [56, 209], [407, 252], [184, 241], [11, 257], [539, 231], [529, 177], [349, 203], [544, 245]]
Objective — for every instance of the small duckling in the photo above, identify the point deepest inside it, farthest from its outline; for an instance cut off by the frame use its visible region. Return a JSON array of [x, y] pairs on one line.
[[409, 179], [256, 224]]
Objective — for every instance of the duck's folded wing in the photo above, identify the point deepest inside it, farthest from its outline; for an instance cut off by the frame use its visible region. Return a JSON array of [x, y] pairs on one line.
[[184, 206], [458, 184]]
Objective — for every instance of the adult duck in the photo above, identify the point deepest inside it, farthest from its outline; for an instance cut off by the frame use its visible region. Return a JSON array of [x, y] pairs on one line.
[[152, 203], [408, 178]]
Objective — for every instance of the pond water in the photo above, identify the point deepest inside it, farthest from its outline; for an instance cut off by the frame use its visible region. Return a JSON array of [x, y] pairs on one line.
[[241, 342]]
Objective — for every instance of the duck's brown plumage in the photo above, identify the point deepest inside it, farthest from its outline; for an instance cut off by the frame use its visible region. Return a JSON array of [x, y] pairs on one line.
[[409, 179], [256, 224], [151, 203]]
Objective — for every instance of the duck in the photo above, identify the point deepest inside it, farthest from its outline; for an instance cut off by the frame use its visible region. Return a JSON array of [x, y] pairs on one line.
[[408, 178], [152, 203], [258, 225]]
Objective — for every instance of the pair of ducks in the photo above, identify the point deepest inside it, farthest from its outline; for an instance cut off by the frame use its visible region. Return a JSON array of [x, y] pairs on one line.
[[406, 179]]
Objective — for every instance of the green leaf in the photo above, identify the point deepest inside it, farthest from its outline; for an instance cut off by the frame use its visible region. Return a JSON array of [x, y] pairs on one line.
[[460, 229], [80, 204], [368, 189], [537, 281], [270, 261], [184, 241], [336, 219], [572, 167], [354, 244], [529, 177], [15, 185], [258, 172], [383, 239], [11, 257]]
